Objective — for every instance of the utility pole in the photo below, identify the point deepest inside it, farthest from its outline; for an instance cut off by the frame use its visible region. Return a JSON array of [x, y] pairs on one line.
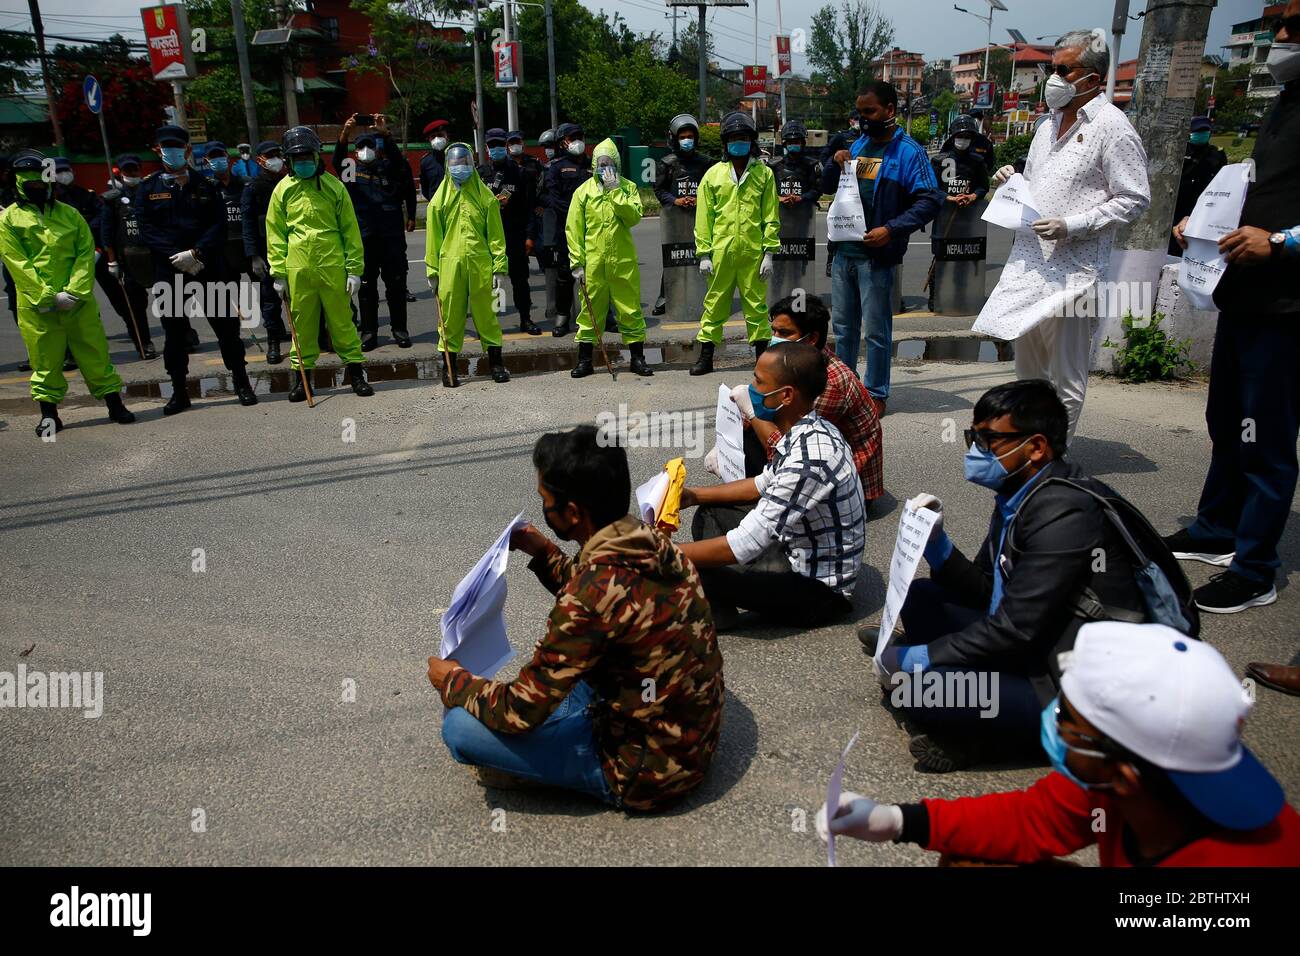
[[1117, 27], [512, 95], [701, 38], [479, 144], [550, 62], [755, 100], [245, 75], [38, 27], [785, 117], [287, 79]]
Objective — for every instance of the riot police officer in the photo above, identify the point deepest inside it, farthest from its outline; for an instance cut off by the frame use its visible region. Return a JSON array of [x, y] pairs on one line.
[[234, 264], [513, 186], [797, 188], [545, 226], [129, 262], [252, 206], [963, 176], [183, 222], [678, 177], [569, 170], [379, 186]]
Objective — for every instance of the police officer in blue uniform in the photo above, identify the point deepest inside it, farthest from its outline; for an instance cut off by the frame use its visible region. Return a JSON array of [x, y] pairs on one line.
[[514, 188], [183, 223], [569, 170], [234, 263], [252, 213], [129, 261]]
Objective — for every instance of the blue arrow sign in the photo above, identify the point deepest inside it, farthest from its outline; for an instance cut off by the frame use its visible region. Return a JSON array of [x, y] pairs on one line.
[[93, 94]]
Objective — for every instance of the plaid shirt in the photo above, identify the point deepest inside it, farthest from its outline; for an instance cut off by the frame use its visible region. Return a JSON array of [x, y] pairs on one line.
[[847, 405], [811, 502]]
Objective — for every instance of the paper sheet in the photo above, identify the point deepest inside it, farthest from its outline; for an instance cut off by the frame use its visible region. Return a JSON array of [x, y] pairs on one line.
[[914, 526], [650, 497], [659, 500], [1013, 205], [474, 625], [845, 219], [731, 437], [1200, 271], [833, 799], [1218, 208]]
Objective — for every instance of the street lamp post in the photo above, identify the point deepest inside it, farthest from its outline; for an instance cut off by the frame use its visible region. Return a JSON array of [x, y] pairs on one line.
[[993, 5]]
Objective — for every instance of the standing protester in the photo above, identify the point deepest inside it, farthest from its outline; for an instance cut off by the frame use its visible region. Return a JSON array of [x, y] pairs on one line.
[[1254, 404], [545, 224], [433, 163], [1201, 163], [379, 186], [47, 247], [677, 180], [1087, 171], [602, 257], [129, 261], [569, 170], [465, 259], [899, 195], [736, 223], [963, 176], [513, 187], [253, 205], [245, 167], [315, 255], [183, 222]]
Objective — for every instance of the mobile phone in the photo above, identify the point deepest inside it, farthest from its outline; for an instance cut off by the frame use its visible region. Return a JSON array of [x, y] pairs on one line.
[[365, 119]]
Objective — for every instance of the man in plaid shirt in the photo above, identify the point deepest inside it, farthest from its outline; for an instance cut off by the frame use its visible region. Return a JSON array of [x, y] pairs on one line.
[[797, 530]]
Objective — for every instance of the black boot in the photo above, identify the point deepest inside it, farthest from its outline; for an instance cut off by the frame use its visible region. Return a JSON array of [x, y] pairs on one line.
[[400, 336], [562, 329], [370, 342], [299, 391], [497, 365], [638, 365], [357, 376], [193, 341], [117, 412], [704, 364], [759, 349], [660, 308], [243, 387], [69, 363], [273, 356], [583, 368], [448, 364], [49, 413], [24, 366], [180, 399], [529, 326], [149, 351]]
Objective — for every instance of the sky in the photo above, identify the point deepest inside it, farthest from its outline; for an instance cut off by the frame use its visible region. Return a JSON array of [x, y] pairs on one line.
[[929, 27]]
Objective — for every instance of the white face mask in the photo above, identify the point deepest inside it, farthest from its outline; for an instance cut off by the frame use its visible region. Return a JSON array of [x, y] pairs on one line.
[[63, 179], [438, 142], [577, 147], [1284, 62], [961, 142], [516, 149], [1060, 93], [131, 180], [550, 153], [275, 164], [366, 154]]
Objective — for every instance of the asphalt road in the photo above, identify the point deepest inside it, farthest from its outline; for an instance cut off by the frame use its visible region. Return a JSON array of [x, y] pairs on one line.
[[329, 562]]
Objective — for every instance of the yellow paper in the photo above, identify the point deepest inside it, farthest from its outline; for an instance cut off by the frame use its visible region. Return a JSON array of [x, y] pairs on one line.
[[670, 513]]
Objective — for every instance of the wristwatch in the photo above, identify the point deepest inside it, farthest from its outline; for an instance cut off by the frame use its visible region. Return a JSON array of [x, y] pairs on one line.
[[1277, 242]]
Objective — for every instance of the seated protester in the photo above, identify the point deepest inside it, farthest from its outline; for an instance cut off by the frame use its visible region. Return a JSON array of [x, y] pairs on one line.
[[1008, 613], [844, 402], [629, 615], [1147, 730], [798, 529]]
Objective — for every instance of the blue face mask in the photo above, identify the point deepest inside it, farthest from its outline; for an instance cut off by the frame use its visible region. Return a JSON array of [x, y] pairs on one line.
[[460, 174], [738, 148], [496, 153], [985, 468], [1200, 137], [794, 148], [1056, 748], [220, 164], [173, 156], [756, 398], [686, 145], [777, 340], [304, 168]]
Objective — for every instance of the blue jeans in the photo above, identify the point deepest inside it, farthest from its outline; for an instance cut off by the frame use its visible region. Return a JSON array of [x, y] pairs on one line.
[[560, 753], [862, 294]]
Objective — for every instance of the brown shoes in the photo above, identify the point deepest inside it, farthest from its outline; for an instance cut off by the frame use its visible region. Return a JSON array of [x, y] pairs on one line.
[[1280, 677]]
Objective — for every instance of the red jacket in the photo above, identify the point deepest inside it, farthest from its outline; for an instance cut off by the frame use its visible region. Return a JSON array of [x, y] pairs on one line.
[[1055, 817]]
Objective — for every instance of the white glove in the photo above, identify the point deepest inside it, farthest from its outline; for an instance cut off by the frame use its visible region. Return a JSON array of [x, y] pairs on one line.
[[433, 284], [706, 266], [499, 281], [186, 262], [281, 288], [580, 276], [115, 269], [934, 504], [740, 395], [608, 177], [711, 462], [66, 301], [1053, 229], [862, 818], [1002, 175], [765, 267], [353, 285], [258, 267]]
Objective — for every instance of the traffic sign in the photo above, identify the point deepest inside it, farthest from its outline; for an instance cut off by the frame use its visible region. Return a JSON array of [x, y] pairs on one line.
[[93, 94]]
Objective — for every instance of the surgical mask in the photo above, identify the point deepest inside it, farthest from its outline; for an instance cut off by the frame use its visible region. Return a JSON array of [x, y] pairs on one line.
[[304, 168], [550, 153], [1060, 92], [961, 142], [985, 469], [516, 149], [686, 145], [366, 154], [459, 174], [496, 153], [438, 142], [794, 148], [1200, 137], [756, 398], [220, 164], [64, 178], [738, 148], [173, 157], [777, 340], [131, 180], [577, 147], [275, 164], [1284, 61], [877, 128], [244, 154], [1056, 748]]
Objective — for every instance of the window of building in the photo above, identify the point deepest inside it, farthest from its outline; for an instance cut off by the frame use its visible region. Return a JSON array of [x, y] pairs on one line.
[[331, 27]]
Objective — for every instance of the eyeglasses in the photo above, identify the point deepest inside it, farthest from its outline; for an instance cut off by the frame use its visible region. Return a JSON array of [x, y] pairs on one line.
[[1290, 24], [981, 438]]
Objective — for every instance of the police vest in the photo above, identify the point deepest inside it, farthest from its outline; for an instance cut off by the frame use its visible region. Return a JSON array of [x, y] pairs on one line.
[[793, 179]]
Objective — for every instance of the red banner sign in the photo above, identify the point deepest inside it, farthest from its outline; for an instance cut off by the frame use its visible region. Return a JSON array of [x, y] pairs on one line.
[[755, 80], [783, 65], [167, 33]]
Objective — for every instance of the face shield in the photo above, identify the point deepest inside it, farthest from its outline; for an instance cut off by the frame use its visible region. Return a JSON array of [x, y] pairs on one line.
[[460, 163]]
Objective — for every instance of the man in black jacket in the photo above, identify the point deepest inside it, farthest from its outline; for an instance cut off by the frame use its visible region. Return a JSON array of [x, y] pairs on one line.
[[257, 196], [514, 187], [569, 170], [678, 176], [1201, 163], [997, 623]]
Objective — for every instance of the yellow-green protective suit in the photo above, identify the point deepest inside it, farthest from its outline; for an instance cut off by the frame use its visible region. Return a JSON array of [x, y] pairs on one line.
[[465, 245], [735, 224], [599, 233], [313, 241], [48, 250]]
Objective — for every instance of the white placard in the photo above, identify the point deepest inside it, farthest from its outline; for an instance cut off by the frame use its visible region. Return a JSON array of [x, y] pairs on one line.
[[845, 219], [833, 799], [1218, 208], [1201, 269], [731, 437], [474, 626], [914, 526], [1013, 206]]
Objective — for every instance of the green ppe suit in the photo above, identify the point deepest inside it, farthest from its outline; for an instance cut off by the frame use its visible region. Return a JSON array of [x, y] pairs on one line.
[[599, 233], [48, 249], [465, 246], [735, 225], [314, 243]]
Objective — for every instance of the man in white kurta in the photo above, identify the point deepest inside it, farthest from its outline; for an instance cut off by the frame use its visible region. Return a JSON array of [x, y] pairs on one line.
[[1087, 172]]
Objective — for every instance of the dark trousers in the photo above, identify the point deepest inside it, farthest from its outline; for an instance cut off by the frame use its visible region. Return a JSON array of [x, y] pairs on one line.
[[563, 286], [386, 257], [272, 309], [931, 612], [176, 329], [767, 585], [517, 261], [1253, 415], [137, 301], [112, 290]]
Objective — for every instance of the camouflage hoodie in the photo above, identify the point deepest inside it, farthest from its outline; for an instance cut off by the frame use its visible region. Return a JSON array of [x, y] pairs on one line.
[[631, 619]]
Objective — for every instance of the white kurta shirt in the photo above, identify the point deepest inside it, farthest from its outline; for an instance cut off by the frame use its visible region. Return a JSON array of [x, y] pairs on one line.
[[1095, 178]]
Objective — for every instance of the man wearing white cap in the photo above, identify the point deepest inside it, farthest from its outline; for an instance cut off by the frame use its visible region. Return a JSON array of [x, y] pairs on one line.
[[1144, 737]]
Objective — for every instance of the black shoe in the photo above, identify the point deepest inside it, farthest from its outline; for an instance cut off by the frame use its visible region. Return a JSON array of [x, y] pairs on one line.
[[530, 327], [49, 413], [400, 336], [1229, 592], [659, 309], [869, 637], [299, 391], [448, 366], [273, 356], [497, 365], [117, 412], [410, 297], [584, 367], [561, 330], [193, 342], [638, 365], [1216, 551], [179, 401], [243, 387], [24, 366], [69, 363], [759, 349], [370, 343], [704, 364], [149, 351], [934, 757], [357, 376]]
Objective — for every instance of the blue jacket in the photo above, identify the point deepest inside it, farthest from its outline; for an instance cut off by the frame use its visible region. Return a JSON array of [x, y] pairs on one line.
[[907, 195]]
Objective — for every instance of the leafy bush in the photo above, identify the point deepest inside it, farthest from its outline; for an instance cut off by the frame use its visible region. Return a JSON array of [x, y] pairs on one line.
[[1148, 353], [1014, 149]]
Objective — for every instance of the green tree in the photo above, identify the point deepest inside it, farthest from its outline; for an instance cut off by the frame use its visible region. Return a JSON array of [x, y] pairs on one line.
[[841, 46], [637, 90], [17, 53], [217, 95], [133, 99]]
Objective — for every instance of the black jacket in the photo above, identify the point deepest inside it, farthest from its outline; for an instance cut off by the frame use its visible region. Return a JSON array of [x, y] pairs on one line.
[[563, 177], [1057, 542], [253, 205], [1200, 165], [175, 217], [517, 216], [679, 175]]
